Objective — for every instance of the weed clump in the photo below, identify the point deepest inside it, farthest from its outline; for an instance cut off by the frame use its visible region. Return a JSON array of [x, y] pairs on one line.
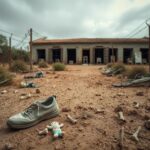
[[59, 66], [5, 76], [42, 64], [19, 66]]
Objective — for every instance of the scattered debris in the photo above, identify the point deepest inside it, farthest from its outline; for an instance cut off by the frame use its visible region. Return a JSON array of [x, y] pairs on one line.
[[25, 96], [135, 135], [145, 81], [37, 91], [4, 91], [136, 105], [27, 85], [71, 119], [65, 109], [38, 74], [101, 131], [147, 124], [16, 91], [86, 115], [55, 127], [99, 111], [140, 93], [121, 116], [121, 138], [9, 146]]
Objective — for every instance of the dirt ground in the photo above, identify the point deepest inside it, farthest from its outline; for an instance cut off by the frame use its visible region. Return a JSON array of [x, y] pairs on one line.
[[83, 89]]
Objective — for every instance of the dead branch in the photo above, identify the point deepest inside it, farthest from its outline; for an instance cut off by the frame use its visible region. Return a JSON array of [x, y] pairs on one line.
[[135, 135], [121, 142], [71, 119]]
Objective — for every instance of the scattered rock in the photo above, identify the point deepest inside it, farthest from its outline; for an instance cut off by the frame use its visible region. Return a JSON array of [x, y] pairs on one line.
[[120, 94], [16, 91], [140, 93], [38, 91], [147, 124], [132, 112], [4, 91], [9, 146], [98, 111], [85, 124], [69, 89], [101, 131], [86, 115], [25, 96], [80, 129], [147, 107], [65, 109], [97, 94]]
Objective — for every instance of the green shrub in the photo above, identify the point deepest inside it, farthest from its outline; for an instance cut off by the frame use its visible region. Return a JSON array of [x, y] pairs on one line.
[[136, 71], [5, 76], [58, 66], [42, 64], [19, 66]]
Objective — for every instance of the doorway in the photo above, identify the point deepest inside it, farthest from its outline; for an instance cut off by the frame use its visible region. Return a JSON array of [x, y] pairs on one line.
[[56, 55], [71, 56], [86, 56], [99, 55]]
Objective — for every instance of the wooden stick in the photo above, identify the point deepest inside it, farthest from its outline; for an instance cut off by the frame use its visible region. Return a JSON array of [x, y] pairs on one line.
[[72, 120], [121, 142]]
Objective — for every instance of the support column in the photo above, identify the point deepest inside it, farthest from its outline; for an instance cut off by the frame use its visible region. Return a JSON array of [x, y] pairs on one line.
[[47, 55], [64, 55], [79, 55], [106, 55], [91, 56], [120, 55], [50, 56]]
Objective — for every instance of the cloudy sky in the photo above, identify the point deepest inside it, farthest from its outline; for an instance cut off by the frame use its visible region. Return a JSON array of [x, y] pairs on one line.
[[74, 18]]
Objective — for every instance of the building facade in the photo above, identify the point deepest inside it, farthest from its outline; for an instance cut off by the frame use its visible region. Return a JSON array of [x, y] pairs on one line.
[[90, 50]]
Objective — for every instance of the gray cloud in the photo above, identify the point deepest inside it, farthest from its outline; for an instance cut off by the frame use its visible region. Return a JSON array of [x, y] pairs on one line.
[[70, 18]]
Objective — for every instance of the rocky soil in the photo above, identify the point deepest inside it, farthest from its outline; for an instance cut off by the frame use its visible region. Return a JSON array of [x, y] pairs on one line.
[[87, 95]]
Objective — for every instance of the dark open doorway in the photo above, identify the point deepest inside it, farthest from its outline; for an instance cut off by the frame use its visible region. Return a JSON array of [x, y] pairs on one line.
[[41, 54], [86, 56], [144, 52], [99, 55], [128, 55], [113, 57], [71, 53], [56, 55]]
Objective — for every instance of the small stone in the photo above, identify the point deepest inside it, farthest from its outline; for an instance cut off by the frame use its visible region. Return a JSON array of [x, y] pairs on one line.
[[4, 91], [8, 146], [98, 111], [65, 109], [120, 94], [38, 91], [80, 129], [97, 94], [140, 93], [16, 91]]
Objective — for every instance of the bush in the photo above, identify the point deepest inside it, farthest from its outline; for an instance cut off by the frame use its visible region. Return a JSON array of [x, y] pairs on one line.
[[19, 66], [58, 67], [135, 72], [42, 64], [5, 76]]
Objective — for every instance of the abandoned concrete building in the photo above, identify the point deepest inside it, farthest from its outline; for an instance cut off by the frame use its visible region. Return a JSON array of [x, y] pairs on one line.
[[90, 50]]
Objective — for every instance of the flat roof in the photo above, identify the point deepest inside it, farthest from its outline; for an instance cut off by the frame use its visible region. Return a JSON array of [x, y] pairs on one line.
[[89, 41]]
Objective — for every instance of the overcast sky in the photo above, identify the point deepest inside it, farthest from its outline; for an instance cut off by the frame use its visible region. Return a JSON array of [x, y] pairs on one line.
[[74, 18]]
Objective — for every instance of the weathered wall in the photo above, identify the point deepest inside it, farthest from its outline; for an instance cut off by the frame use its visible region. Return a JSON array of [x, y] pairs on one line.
[[80, 47]]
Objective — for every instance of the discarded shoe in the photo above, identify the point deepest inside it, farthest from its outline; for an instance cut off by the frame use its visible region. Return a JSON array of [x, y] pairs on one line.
[[38, 111]]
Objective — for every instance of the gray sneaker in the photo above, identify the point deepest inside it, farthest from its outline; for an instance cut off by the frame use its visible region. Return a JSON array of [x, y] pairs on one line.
[[38, 111]]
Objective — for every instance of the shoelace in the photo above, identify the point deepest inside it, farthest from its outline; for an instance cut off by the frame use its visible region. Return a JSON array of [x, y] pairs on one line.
[[28, 111]]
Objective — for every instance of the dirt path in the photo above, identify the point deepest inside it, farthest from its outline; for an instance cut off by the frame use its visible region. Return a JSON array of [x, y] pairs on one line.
[[83, 89]]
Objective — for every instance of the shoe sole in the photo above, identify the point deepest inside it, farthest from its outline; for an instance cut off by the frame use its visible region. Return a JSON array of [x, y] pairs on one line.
[[21, 126]]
